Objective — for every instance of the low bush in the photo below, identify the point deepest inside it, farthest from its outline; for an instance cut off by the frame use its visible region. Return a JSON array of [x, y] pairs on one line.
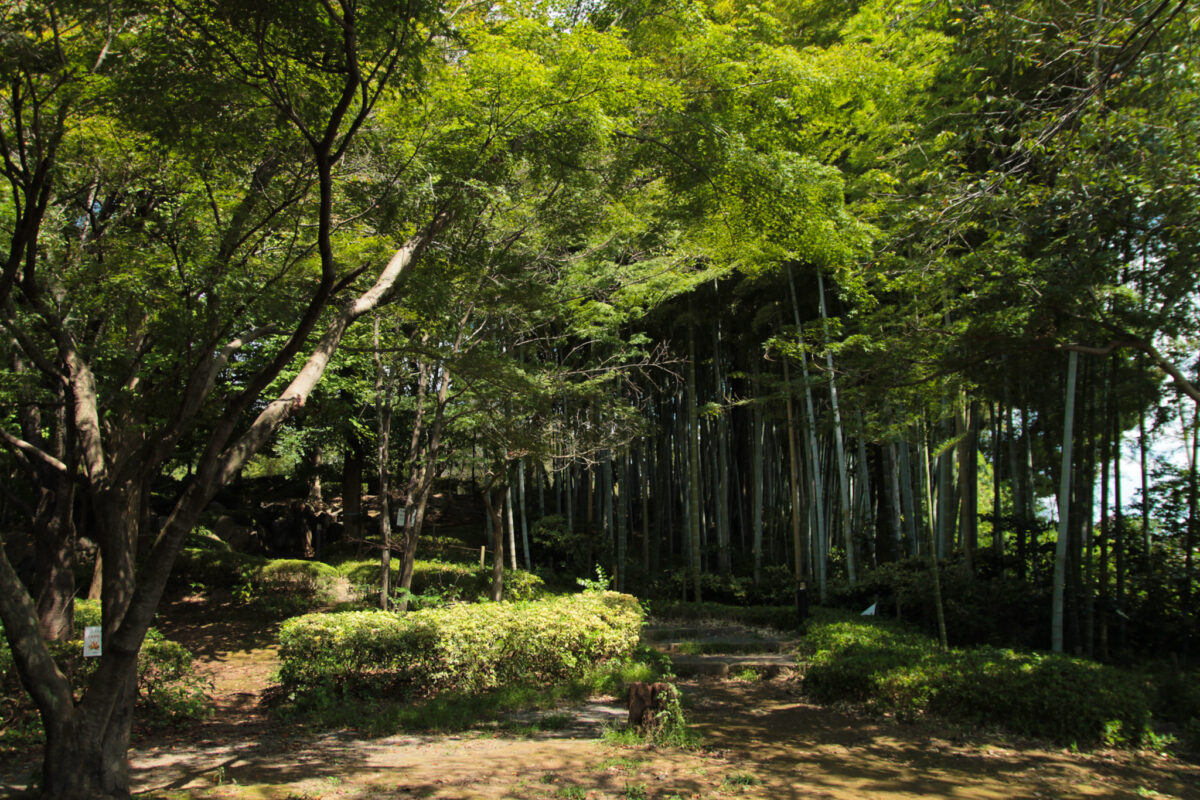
[[1177, 699], [462, 647], [437, 582], [896, 670]]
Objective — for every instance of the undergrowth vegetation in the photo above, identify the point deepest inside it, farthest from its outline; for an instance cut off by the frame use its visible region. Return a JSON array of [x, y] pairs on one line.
[[897, 670], [780, 617], [437, 582], [276, 588], [169, 688]]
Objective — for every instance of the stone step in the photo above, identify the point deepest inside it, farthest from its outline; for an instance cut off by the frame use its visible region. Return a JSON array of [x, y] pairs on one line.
[[695, 647]]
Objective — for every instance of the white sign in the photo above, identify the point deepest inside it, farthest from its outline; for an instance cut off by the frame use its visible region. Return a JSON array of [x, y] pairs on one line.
[[91, 641]]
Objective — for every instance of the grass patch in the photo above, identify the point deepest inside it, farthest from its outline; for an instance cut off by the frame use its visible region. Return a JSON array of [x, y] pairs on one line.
[[741, 779]]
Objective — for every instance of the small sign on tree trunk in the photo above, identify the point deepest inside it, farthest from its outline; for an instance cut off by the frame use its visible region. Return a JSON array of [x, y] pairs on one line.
[[91, 641]]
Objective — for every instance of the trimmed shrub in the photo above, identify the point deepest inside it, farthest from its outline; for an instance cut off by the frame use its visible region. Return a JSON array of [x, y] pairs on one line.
[[461, 647], [891, 669]]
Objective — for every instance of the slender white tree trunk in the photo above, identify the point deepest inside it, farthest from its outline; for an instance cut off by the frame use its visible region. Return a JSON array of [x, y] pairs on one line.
[[839, 446], [1064, 506]]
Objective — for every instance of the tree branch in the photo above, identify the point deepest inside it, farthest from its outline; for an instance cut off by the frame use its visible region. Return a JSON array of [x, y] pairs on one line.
[[25, 448]]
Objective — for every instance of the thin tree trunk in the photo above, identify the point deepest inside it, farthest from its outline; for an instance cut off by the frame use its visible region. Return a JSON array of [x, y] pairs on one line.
[[997, 518], [934, 567], [1028, 484], [822, 532], [1189, 545], [493, 501], [693, 418], [839, 447], [622, 490], [864, 478], [794, 469], [896, 502], [523, 514], [352, 468], [1064, 506], [510, 528], [1144, 447], [757, 499], [644, 491], [968, 482], [383, 431], [1018, 490], [908, 499]]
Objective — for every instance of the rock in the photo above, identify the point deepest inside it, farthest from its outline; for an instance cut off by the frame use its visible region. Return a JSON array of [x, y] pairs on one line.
[[236, 535]]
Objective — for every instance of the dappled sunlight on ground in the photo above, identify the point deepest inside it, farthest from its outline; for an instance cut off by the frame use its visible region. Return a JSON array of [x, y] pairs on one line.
[[760, 741]]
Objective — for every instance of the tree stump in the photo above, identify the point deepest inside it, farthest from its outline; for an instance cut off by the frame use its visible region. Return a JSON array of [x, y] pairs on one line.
[[646, 700]]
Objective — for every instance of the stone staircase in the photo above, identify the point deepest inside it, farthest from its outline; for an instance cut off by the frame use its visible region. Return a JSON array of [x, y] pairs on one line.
[[721, 649]]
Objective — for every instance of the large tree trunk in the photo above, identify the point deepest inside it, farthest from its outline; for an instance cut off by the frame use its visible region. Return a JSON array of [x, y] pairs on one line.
[[86, 751]]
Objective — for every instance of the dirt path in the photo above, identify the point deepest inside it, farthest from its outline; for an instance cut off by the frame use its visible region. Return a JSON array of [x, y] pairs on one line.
[[760, 741]]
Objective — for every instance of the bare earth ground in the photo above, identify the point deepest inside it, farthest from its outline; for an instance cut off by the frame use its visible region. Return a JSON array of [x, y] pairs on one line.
[[760, 740]]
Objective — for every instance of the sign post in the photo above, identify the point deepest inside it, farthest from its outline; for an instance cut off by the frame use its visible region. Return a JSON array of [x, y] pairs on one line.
[[91, 642]]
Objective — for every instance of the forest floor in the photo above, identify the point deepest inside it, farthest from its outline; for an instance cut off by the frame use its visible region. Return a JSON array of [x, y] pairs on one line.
[[759, 740]]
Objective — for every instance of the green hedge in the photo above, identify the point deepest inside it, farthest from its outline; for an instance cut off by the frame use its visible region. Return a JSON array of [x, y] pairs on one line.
[[463, 647], [1067, 700], [444, 581]]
